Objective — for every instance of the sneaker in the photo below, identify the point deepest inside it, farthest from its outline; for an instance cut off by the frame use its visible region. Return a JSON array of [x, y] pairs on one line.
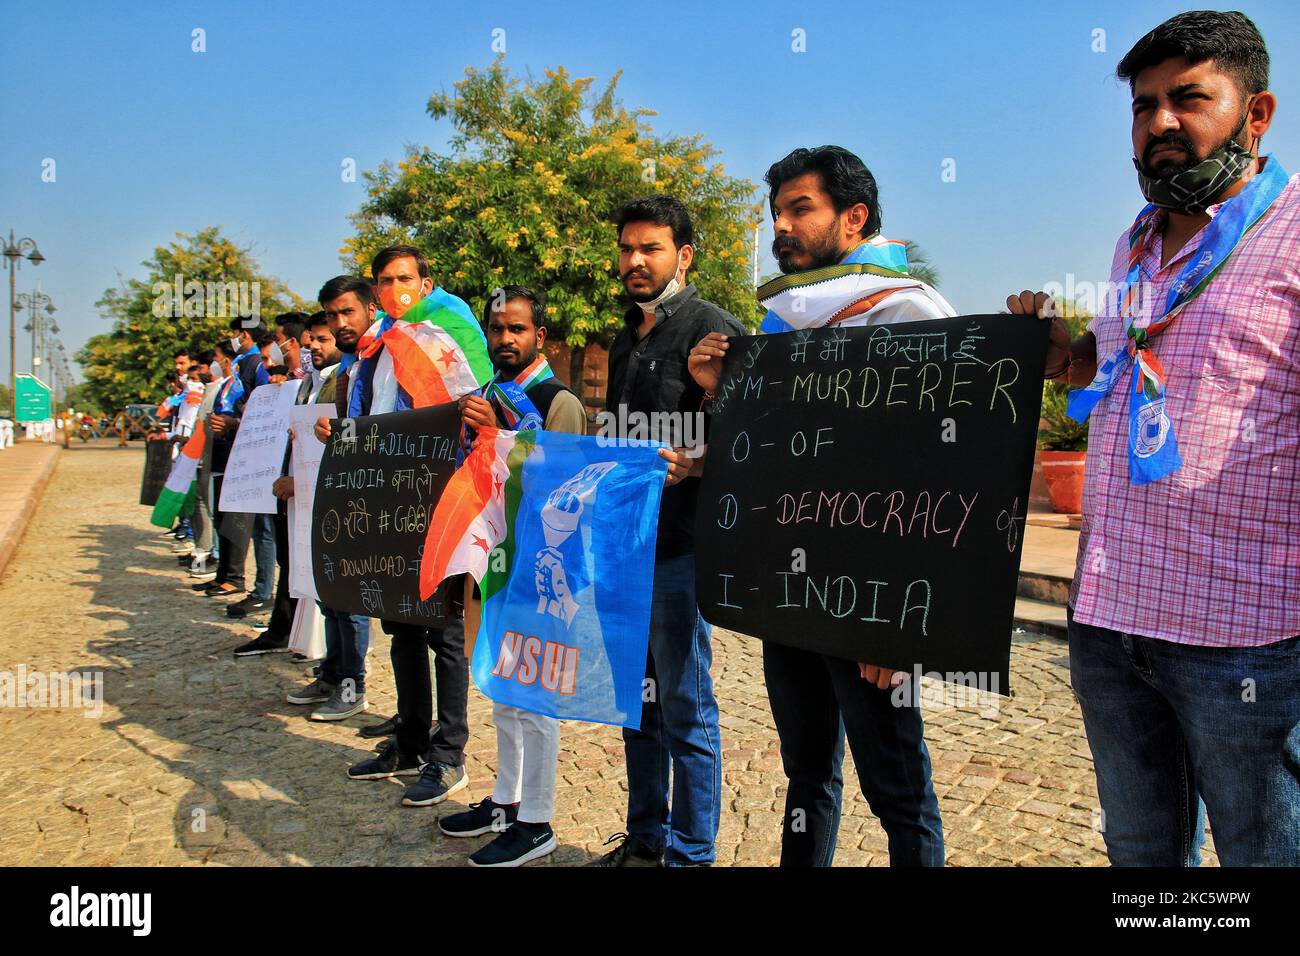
[[390, 762], [249, 605], [313, 671], [318, 691], [336, 708], [186, 559], [482, 817], [201, 563], [519, 844], [631, 851], [438, 782], [222, 590], [264, 643]]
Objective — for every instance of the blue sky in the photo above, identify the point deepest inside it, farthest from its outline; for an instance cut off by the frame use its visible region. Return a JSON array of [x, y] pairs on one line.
[[151, 138]]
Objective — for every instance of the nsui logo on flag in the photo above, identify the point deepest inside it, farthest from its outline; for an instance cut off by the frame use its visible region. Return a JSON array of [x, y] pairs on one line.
[[560, 534]]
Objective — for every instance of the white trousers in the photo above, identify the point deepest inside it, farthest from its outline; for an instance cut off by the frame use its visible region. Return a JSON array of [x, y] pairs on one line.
[[528, 748]]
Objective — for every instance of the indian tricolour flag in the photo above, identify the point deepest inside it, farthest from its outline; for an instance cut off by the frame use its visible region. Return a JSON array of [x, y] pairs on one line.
[[474, 516], [182, 488], [438, 350], [559, 530]]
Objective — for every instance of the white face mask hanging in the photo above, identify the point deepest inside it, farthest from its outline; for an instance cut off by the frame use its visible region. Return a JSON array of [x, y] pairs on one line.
[[670, 290]]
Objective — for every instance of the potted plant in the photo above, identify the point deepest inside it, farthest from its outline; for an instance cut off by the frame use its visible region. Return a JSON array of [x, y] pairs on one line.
[[1063, 443]]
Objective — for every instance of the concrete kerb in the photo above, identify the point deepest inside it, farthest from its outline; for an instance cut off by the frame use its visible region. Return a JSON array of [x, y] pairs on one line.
[[18, 504]]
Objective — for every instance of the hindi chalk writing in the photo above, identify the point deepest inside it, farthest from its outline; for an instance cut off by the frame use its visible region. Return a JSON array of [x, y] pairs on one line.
[[865, 490], [377, 484]]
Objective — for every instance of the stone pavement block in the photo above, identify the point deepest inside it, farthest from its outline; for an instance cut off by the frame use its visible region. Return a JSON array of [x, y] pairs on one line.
[[186, 727]]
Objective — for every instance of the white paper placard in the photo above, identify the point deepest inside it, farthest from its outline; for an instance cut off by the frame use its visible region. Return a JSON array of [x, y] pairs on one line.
[[305, 463], [258, 453]]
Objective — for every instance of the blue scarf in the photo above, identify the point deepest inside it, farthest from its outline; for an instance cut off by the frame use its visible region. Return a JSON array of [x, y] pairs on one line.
[[235, 391], [365, 374], [1153, 451]]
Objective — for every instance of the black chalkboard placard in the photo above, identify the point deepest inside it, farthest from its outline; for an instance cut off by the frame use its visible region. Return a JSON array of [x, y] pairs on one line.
[[157, 468], [865, 490], [379, 482]]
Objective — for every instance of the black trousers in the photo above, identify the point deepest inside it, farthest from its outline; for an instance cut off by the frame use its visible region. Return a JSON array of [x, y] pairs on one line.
[[233, 554], [409, 652], [284, 606]]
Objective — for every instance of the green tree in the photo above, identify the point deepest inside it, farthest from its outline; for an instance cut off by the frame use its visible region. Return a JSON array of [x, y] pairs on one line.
[[525, 196], [919, 264], [1058, 431], [6, 402], [220, 280]]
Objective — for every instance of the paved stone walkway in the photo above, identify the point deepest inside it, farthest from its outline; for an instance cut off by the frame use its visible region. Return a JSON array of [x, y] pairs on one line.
[[196, 758]]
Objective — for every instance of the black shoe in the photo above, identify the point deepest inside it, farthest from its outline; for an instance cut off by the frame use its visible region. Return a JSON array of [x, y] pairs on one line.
[[264, 643], [204, 586], [249, 605], [632, 851], [390, 762], [383, 729], [519, 844], [438, 782], [482, 817], [215, 590]]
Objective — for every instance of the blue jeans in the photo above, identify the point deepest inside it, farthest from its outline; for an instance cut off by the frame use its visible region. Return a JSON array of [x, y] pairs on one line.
[[816, 700], [1177, 729], [264, 556], [679, 725], [347, 638]]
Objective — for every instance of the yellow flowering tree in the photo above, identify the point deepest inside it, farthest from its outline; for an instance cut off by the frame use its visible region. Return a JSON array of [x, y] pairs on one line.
[[535, 170], [219, 280]]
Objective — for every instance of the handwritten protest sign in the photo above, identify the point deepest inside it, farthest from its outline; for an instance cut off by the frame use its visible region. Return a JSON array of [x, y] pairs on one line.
[[257, 456], [305, 464], [378, 484], [866, 490]]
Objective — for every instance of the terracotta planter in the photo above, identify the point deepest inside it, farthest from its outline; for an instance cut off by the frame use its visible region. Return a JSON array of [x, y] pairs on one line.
[[1063, 472]]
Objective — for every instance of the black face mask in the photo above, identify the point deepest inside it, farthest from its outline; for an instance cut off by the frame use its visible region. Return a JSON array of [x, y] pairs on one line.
[[1194, 189]]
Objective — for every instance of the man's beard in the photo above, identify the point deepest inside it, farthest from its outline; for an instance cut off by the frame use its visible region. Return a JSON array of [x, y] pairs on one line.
[[653, 293], [1170, 169], [347, 348], [824, 250], [511, 366]]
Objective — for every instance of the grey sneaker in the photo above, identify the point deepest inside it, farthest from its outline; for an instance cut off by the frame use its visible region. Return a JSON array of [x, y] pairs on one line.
[[314, 693], [336, 708]]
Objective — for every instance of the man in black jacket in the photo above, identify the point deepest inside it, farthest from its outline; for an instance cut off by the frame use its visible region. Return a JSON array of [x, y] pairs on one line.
[[648, 378]]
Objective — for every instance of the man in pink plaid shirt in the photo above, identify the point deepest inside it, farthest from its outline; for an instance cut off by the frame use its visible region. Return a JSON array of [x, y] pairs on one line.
[[1185, 607]]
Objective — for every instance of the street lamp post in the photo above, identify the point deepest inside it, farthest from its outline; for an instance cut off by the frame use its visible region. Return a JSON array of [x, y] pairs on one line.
[[37, 301], [13, 253]]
